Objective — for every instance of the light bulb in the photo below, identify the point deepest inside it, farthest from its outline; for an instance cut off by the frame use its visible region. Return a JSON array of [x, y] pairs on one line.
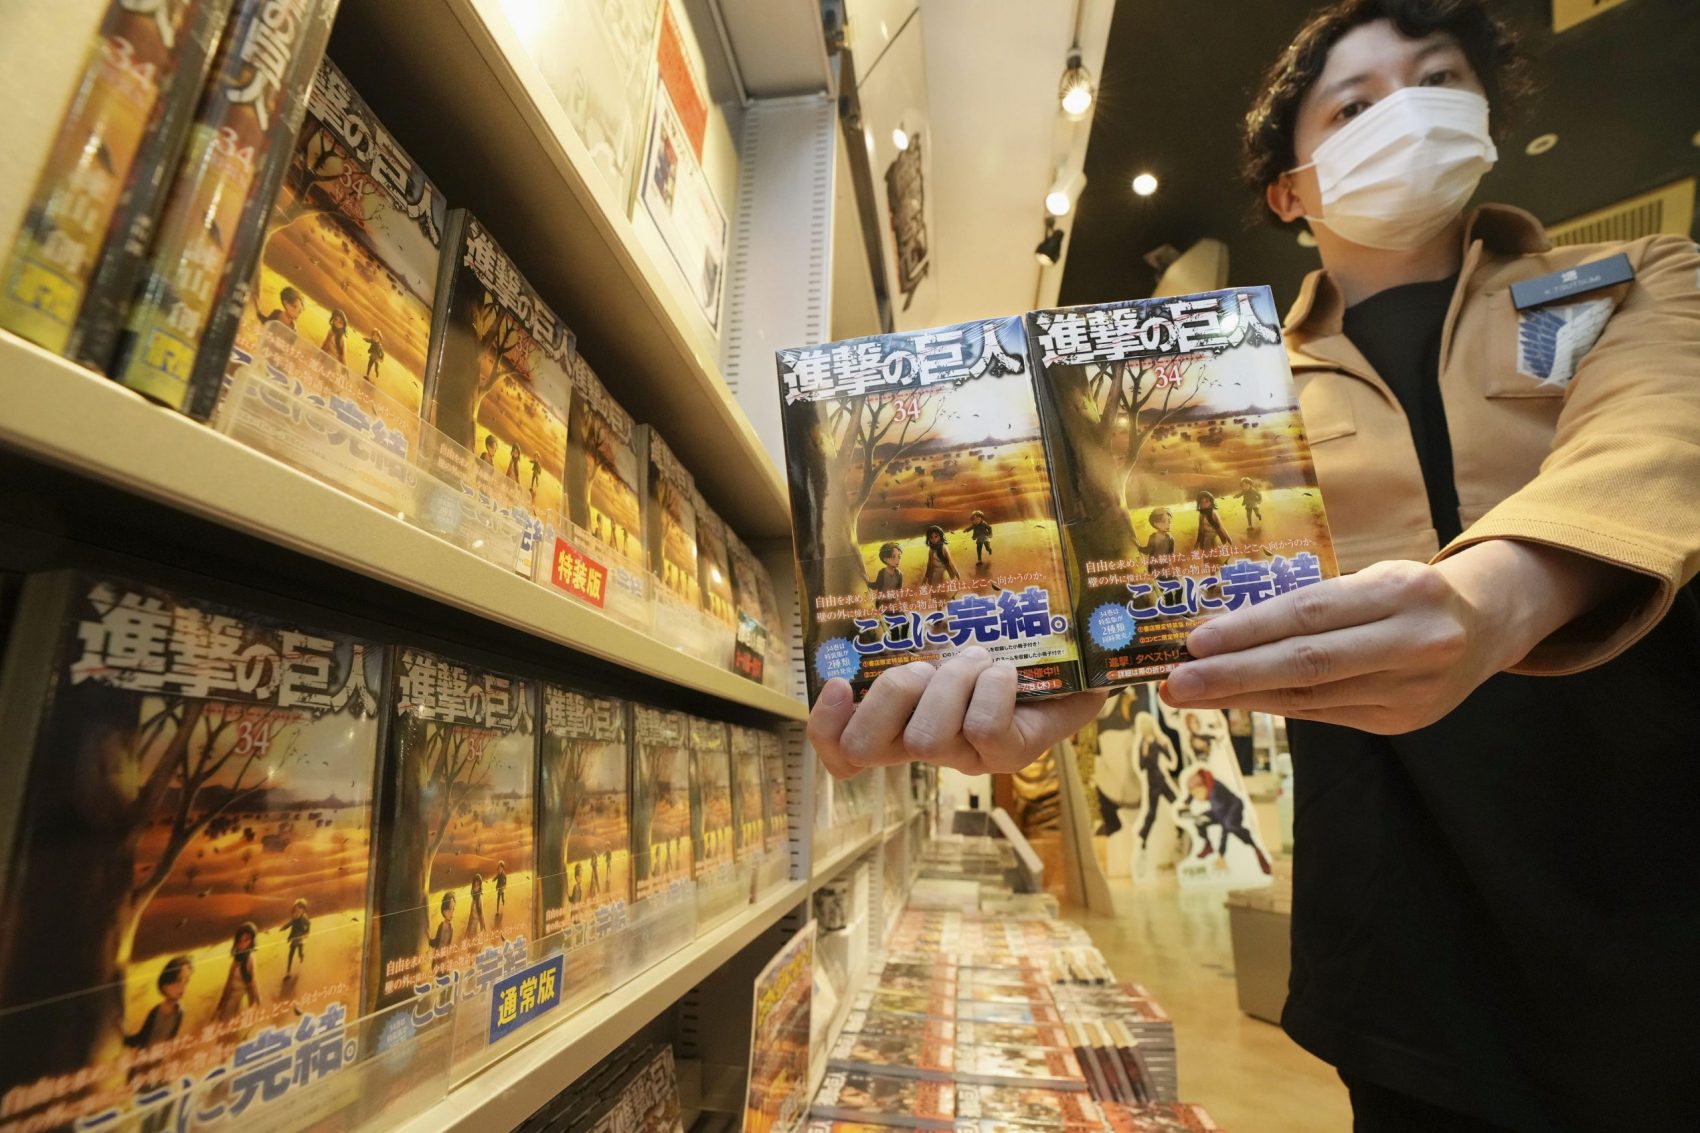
[[1145, 184], [900, 138], [1076, 101], [1056, 202]]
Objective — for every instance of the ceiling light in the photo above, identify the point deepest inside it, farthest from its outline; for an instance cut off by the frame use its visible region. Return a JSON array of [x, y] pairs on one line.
[[900, 138], [1075, 90], [1145, 184], [1049, 250], [1696, 138], [1063, 192], [1307, 239], [1540, 145]]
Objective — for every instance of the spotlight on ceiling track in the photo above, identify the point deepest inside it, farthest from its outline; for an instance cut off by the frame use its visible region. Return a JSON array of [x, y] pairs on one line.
[[1075, 91], [1049, 250], [1064, 191], [1145, 184], [900, 138]]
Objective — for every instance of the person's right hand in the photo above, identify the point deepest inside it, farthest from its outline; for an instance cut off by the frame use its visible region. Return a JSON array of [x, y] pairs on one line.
[[961, 714]]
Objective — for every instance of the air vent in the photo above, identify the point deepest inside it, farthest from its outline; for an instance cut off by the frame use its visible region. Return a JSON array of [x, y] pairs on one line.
[[1668, 209], [1568, 13]]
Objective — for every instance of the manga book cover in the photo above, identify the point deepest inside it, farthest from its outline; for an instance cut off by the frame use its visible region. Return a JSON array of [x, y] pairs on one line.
[[971, 1033], [776, 1094], [711, 799], [875, 1022], [747, 788], [202, 258], [661, 800], [584, 821], [1159, 1117], [1028, 1105], [1183, 477], [497, 377], [911, 1053], [605, 468], [349, 260], [456, 878], [714, 564], [776, 801], [1052, 1067], [757, 632], [185, 872], [73, 265], [649, 1103], [670, 523], [882, 1099], [922, 508]]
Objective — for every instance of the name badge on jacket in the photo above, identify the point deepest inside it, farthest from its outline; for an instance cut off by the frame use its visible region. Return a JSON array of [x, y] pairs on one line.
[[1553, 335]]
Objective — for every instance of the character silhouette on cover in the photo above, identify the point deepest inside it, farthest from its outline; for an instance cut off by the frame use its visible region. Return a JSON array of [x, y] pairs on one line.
[[445, 934], [299, 926], [241, 990], [163, 1022], [1252, 500], [1161, 542], [576, 893], [374, 353], [890, 576], [939, 566], [982, 532], [1210, 532], [290, 306], [514, 455], [488, 456], [475, 916], [501, 889], [335, 335]]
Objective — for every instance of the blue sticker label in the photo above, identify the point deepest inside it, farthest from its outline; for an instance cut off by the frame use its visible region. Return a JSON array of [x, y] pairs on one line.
[[1110, 627], [836, 658], [525, 995]]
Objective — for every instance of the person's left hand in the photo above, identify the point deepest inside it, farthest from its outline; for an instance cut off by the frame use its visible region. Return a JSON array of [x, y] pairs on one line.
[[1394, 647]]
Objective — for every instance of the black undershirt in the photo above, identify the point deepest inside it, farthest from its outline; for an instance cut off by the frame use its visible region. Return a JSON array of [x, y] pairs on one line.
[[1398, 332]]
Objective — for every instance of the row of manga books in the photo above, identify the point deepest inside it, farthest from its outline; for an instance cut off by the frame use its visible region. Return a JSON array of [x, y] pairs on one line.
[[214, 217], [228, 839], [1072, 491], [633, 1090], [1005, 1020]]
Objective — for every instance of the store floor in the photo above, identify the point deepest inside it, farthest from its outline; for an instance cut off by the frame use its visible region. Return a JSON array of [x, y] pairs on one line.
[[1248, 1073]]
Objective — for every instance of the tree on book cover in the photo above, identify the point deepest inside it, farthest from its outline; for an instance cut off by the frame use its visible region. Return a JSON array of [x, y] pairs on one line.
[[584, 847], [604, 486], [177, 335], [456, 874], [661, 800], [747, 788], [1183, 476], [188, 869], [498, 377], [922, 506], [101, 187], [711, 796], [671, 523], [349, 259]]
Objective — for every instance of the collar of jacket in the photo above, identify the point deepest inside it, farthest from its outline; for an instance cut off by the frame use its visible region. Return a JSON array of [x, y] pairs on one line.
[[1313, 324]]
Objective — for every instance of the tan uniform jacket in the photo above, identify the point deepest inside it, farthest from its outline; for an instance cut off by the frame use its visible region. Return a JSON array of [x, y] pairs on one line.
[[1575, 425]]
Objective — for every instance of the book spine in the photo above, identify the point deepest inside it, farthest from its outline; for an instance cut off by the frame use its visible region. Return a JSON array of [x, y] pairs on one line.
[[27, 676], [448, 269], [94, 336], [211, 231]]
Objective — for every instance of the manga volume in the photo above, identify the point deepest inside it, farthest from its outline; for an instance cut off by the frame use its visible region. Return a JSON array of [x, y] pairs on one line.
[[80, 244], [711, 800], [670, 524], [498, 378], [661, 800], [584, 822], [1183, 478], [347, 270], [605, 483], [456, 878], [922, 506], [747, 806], [184, 876], [881, 1099], [177, 335], [777, 799]]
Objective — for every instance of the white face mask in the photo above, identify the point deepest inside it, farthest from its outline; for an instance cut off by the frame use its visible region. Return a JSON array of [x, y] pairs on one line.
[[1396, 175]]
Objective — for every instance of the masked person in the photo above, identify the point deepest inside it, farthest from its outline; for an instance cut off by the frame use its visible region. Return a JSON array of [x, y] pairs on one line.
[[1487, 932]]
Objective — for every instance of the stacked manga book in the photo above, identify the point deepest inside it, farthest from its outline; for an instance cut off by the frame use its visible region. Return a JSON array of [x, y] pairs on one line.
[[633, 1090], [1007, 1019], [1072, 491]]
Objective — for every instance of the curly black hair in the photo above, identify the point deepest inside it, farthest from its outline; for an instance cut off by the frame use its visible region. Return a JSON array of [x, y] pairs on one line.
[[1491, 47]]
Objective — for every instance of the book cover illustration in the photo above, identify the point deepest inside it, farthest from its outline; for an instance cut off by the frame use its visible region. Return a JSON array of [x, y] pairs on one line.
[[456, 876], [777, 800], [747, 788], [876, 1022], [649, 1103], [776, 1094], [714, 563], [1159, 1117], [671, 524], [1013, 1034], [497, 377], [605, 477], [1053, 1067], [711, 800], [756, 634], [1184, 480], [584, 820], [922, 508], [912, 1053], [882, 1099], [201, 780], [100, 187], [661, 800], [349, 262], [202, 258], [1029, 1105]]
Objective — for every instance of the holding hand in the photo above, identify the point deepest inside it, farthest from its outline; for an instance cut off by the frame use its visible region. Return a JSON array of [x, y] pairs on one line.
[[961, 714]]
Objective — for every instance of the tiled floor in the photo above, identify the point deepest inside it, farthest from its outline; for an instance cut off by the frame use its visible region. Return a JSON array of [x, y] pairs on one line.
[[1248, 1073]]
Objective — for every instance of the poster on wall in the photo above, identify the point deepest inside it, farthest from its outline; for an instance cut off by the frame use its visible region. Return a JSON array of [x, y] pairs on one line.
[[778, 1095], [597, 59], [677, 194]]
